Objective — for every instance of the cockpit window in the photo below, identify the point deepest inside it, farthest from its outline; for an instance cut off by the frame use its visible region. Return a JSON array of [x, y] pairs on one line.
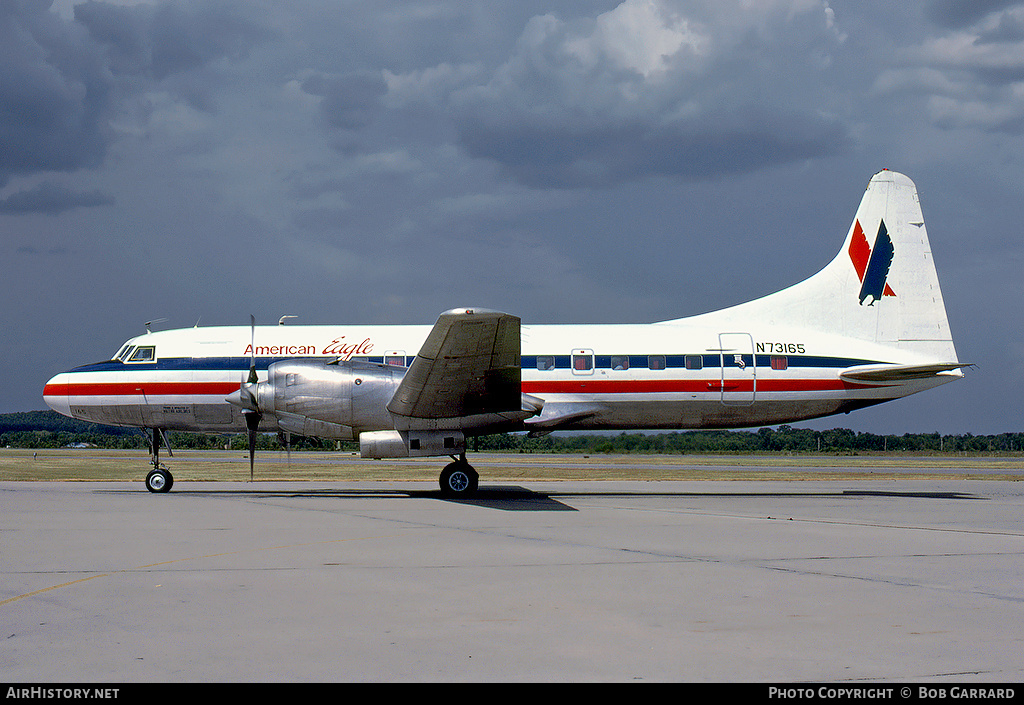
[[143, 353], [121, 354]]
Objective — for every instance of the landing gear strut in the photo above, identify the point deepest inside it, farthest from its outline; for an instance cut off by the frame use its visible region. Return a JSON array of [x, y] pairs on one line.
[[159, 478], [459, 479]]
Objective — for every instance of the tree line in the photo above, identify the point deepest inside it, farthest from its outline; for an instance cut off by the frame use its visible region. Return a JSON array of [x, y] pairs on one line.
[[48, 429]]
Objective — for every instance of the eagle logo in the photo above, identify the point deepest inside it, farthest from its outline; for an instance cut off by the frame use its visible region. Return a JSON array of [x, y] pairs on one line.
[[872, 263]]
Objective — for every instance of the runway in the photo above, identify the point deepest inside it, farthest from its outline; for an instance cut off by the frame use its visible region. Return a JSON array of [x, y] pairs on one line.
[[732, 581]]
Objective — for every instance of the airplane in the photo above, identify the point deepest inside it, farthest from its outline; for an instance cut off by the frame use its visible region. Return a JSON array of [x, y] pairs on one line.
[[869, 327]]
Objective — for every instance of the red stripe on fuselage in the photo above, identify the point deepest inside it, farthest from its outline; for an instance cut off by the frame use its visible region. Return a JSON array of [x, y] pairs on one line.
[[574, 386], [113, 389]]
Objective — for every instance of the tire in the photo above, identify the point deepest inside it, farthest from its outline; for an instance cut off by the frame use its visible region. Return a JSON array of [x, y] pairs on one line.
[[459, 480], [159, 481]]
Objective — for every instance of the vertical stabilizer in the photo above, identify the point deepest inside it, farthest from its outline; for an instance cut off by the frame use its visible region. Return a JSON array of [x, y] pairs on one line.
[[881, 287]]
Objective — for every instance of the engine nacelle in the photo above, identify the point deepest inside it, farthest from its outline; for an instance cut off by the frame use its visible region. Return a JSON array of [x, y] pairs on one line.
[[411, 444], [329, 400]]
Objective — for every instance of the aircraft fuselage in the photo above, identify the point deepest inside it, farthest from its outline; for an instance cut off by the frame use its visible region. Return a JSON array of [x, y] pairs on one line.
[[590, 377]]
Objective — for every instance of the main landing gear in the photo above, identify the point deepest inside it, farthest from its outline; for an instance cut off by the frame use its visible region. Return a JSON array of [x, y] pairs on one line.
[[459, 480], [159, 478]]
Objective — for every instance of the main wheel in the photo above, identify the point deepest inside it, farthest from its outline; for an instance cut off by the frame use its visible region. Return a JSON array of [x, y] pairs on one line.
[[159, 480], [459, 479]]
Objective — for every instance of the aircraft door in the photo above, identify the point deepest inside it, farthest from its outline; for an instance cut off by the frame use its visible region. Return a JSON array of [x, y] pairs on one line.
[[738, 382]]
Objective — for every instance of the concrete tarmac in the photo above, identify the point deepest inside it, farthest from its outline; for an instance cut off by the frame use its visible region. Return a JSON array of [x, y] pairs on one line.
[[782, 582]]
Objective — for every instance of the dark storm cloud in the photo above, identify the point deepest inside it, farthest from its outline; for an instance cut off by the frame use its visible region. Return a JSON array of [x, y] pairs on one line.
[[350, 101], [59, 82], [971, 73], [657, 90], [956, 14], [169, 38], [54, 94], [1010, 28], [556, 156], [50, 198]]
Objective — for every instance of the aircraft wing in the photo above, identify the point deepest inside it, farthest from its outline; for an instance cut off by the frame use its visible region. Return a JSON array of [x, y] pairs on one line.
[[898, 373], [468, 365]]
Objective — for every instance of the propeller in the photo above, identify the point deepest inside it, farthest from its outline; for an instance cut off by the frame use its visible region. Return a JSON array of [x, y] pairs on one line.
[[246, 398], [252, 415]]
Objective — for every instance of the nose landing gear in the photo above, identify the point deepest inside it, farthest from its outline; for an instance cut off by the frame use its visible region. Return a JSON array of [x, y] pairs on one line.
[[159, 479]]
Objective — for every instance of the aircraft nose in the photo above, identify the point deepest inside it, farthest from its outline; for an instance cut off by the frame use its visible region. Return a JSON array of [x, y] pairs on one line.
[[55, 394]]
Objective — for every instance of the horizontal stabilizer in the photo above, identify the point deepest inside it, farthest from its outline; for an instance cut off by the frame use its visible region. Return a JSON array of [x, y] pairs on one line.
[[899, 373], [556, 416]]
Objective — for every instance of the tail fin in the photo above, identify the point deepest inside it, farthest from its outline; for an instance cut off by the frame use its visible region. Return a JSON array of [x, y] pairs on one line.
[[881, 287]]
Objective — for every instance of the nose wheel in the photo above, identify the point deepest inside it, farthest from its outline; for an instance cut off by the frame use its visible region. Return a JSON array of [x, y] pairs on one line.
[[459, 480], [159, 480]]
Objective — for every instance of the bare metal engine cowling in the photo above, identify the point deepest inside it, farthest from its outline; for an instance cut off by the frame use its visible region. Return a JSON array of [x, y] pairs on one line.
[[336, 400]]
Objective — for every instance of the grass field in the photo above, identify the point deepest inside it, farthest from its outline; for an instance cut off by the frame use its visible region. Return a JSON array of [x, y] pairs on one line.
[[114, 465]]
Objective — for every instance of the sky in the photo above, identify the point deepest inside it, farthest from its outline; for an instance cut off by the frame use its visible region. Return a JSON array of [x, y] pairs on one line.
[[598, 162]]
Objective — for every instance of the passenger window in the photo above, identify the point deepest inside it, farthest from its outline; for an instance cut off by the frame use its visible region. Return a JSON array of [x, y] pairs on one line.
[[620, 362], [694, 362], [143, 353], [581, 363], [545, 362], [780, 362], [396, 360], [656, 362]]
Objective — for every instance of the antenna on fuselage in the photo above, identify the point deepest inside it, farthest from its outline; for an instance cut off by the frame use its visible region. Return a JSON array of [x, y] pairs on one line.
[[149, 323], [280, 321]]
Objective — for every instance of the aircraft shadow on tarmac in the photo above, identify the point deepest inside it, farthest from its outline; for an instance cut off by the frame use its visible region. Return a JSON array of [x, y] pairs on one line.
[[507, 498], [521, 499]]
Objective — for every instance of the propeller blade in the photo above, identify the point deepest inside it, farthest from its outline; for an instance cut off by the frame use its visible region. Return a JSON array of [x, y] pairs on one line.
[[252, 424], [252, 346]]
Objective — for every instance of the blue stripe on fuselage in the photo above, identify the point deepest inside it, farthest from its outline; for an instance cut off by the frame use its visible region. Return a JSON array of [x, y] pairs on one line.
[[527, 362]]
